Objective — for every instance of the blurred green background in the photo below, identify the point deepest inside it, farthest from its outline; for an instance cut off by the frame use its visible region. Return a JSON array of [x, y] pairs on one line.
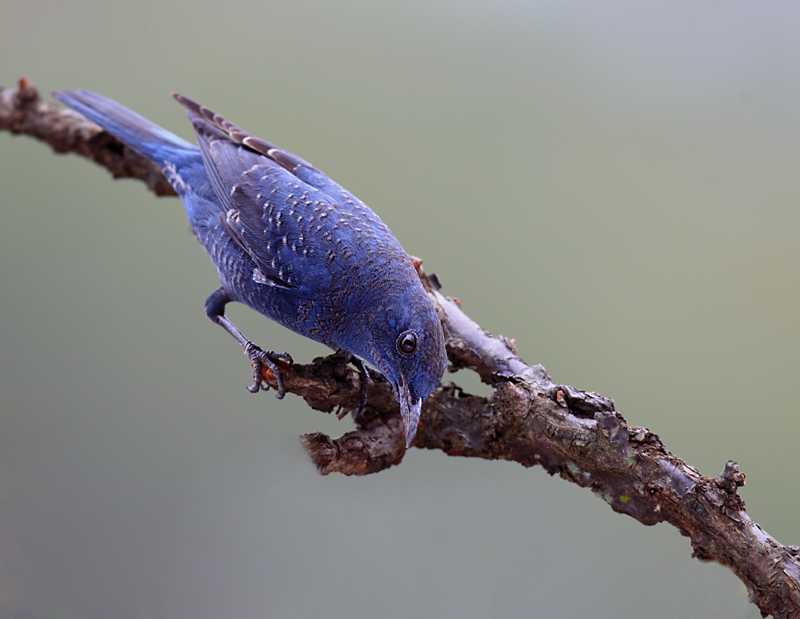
[[613, 184]]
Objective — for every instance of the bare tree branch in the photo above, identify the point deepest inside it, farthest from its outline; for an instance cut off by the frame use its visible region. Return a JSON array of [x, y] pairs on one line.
[[527, 418], [22, 111]]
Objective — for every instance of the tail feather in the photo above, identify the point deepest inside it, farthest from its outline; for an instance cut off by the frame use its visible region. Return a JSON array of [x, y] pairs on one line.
[[143, 136]]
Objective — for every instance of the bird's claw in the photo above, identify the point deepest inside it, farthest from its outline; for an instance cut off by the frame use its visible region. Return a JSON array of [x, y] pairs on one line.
[[269, 358], [364, 389], [364, 374]]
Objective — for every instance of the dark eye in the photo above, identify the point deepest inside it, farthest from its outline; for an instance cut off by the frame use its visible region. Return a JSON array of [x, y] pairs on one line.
[[407, 342]]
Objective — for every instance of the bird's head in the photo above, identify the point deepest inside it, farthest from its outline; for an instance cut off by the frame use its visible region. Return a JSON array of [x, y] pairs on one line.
[[408, 348]]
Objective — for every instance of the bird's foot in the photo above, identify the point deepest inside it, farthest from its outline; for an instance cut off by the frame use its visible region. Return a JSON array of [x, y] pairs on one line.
[[364, 374], [268, 358]]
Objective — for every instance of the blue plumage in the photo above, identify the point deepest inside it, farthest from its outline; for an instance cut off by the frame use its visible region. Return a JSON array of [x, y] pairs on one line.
[[293, 245]]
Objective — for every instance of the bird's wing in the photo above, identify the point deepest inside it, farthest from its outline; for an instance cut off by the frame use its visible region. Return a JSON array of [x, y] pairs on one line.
[[293, 164], [269, 196]]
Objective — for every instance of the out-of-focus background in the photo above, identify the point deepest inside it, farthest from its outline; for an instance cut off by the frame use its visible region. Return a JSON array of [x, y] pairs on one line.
[[613, 184]]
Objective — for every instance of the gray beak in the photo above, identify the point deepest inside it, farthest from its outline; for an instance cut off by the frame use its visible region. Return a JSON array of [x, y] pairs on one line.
[[410, 411]]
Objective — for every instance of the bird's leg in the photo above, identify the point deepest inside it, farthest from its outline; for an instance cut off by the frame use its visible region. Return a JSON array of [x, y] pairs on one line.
[[364, 374], [364, 386], [215, 310]]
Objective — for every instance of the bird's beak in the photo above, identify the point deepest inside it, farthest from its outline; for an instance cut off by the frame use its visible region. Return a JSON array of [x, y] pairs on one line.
[[410, 411]]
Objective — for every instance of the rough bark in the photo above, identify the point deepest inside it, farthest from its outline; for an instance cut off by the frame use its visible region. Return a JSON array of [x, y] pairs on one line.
[[22, 111], [527, 418]]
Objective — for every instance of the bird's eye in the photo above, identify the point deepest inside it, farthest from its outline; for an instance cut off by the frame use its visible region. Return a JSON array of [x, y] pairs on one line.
[[407, 342]]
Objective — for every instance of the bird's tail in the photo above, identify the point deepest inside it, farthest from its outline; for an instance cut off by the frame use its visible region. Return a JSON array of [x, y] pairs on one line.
[[143, 136]]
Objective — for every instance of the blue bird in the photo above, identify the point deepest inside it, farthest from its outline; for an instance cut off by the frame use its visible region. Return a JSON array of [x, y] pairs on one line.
[[293, 245]]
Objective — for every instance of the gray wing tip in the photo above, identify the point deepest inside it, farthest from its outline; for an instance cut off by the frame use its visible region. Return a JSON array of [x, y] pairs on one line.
[[196, 110], [188, 103]]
